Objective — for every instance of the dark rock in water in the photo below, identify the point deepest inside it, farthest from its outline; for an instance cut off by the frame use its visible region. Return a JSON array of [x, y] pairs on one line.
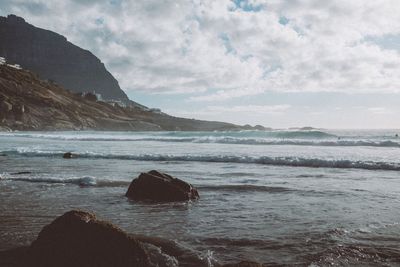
[[78, 238], [244, 264], [161, 187], [68, 155]]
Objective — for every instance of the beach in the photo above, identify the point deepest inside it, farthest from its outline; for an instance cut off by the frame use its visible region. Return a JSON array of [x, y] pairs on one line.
[[280, 197]]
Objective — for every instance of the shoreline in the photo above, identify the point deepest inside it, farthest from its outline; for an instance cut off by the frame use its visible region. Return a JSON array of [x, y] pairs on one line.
[[277, 215], [77, 229]]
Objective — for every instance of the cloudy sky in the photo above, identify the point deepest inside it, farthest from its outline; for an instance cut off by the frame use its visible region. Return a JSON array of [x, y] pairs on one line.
[[332, 64]]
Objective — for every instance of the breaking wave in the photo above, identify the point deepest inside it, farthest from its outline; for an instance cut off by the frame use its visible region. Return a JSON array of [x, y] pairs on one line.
[[265, 160], [300, 138], [123, 136], [250, 141]]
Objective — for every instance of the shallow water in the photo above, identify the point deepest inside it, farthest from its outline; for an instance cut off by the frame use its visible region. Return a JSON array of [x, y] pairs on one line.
[[280, 197]]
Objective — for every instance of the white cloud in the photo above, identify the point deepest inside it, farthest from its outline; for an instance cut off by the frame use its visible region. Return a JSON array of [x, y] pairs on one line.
[[211, 46], [251, 108], [380, 110], [233, 110]]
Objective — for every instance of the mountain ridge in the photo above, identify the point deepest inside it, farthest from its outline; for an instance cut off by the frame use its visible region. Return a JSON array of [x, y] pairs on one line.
[[54, 58], [46, 93], [29, 103]]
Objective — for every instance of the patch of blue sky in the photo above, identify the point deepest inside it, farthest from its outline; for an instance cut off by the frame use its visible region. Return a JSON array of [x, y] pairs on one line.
[[283, 20], [388, 41], [227, 43], [270, 69], [246, 57], [99, 21], [115, 2], [246, 6]]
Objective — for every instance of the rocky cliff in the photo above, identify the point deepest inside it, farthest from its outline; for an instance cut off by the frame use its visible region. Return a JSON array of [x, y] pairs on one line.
[[52, 57], [29, 103]]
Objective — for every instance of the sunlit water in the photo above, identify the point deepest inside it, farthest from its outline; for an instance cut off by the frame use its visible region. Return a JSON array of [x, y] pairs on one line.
[[280, 197]]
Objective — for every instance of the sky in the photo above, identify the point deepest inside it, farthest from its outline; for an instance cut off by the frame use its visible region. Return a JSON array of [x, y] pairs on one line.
[[292, 63]]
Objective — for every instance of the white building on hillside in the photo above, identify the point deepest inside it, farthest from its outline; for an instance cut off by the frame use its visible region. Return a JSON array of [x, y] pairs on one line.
[[15, 66]]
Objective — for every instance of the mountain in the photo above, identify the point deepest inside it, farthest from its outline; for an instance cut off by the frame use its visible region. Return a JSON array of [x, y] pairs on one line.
[[29, 103], [52, 57], [46, 94]]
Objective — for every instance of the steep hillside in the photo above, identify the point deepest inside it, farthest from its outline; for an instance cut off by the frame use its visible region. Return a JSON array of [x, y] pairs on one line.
[[52, 57], [29, 103]]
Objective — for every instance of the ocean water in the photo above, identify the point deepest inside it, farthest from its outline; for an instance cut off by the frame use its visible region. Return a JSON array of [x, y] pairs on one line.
[[303, 198]]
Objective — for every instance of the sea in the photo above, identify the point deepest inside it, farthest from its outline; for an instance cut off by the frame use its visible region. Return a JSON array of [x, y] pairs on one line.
[[279, 197]]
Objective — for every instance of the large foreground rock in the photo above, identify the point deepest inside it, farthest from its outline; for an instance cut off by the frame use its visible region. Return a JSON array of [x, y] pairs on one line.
[[78, 238], [162, 187]]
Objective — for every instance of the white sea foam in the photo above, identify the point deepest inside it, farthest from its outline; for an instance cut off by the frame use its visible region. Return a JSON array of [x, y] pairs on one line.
[[298, 138], [265, 160]]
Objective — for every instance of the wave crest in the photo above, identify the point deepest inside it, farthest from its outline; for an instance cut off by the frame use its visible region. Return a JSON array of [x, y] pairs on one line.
[[265, 160], [300, 138]]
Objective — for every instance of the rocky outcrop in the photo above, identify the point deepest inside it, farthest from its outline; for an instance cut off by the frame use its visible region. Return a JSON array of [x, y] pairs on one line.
[[54, 58], [29, 103], [78, 238], [59, 63], [156, 186]]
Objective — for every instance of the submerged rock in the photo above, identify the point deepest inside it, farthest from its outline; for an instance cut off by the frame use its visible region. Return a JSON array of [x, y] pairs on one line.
[[162, 187], [78, 238]]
